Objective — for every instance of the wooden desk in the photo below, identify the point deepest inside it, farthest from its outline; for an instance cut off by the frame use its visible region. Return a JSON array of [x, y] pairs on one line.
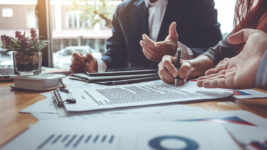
[[12, 102]]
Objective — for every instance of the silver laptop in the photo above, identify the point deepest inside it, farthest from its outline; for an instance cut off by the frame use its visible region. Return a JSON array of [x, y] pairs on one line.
[[6, 73]]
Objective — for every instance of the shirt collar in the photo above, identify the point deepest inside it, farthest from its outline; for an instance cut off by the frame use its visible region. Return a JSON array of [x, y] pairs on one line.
[[148, 3]]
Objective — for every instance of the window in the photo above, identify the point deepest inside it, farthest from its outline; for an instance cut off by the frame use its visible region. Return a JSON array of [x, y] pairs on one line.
[[15, 15], [31, 20], [73, 20], [7, 12], [225, 15], [80, 26]]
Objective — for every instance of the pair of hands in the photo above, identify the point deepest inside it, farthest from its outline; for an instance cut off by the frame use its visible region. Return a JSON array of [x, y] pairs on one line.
[[239, 71], [235, 72]]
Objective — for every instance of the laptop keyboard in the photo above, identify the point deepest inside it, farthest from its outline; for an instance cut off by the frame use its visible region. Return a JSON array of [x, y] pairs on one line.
[[6, 71]]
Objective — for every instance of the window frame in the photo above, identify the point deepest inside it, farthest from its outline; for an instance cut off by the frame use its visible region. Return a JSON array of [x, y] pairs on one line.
[[45, 32]]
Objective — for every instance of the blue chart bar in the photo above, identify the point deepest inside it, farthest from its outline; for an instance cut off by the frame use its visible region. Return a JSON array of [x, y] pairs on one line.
[[46, 141], [56, 139], [111, 139], [103, 138], [78, 141], [70, 141], [65, 138], [96, 138], [88, 138], [258, 145]]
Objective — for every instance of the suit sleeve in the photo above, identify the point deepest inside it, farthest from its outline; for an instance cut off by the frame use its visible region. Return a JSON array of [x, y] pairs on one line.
[[208, 31], [220, 51], [261, 75], [116, 55]]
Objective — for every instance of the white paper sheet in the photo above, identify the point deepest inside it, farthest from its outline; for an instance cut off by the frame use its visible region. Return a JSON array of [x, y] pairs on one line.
[[102, 135], [122, 113], [251, 138], [158, 113], [73, 83], [148, 93], [248, 93], [43, 106]]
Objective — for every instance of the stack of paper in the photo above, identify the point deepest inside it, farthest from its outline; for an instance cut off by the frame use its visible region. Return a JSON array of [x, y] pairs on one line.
[[38, 82]]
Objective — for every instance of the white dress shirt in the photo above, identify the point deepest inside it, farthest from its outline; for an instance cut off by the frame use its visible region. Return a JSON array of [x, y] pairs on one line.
[[156, 11]]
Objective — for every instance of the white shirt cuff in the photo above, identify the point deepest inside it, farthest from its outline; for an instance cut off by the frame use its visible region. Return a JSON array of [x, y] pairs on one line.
[[101, 65]]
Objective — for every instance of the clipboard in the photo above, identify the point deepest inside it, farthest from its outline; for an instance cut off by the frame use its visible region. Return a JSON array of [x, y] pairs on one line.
[[58, 97]]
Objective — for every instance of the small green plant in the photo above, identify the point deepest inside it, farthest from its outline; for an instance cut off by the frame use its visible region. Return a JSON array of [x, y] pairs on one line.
[[21, 43]]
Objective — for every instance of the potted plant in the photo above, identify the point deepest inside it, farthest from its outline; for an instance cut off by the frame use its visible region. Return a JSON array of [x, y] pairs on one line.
[[27, 51]]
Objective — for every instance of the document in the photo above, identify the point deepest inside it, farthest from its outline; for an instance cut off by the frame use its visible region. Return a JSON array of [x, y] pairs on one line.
[[148, 93], [155, 113], [117, 135], [248, 93], [250, 137]]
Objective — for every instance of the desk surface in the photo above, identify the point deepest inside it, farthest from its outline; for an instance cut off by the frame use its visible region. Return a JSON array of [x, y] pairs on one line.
[[12, 102]]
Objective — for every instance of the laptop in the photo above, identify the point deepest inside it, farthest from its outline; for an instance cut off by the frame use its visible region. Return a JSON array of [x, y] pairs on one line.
[[6, 73]]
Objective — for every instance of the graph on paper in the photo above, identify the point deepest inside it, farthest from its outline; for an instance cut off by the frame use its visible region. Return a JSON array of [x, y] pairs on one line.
[[107, 134], [75, 140]]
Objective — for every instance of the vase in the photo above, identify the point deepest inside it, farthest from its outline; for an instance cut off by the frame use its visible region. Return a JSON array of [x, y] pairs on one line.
[[28, 64]]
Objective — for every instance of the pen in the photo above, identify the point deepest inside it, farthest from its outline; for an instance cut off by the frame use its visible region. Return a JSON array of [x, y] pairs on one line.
[[177, 65]]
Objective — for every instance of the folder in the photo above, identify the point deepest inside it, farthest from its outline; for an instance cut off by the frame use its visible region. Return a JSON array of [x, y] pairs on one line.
[[128, 72], [121, 77]]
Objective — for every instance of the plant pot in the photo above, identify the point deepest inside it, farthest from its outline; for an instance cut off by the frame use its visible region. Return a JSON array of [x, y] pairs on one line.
[[28, 64]]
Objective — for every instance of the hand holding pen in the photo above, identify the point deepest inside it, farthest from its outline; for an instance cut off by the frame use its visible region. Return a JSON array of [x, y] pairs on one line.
[[170, 69]]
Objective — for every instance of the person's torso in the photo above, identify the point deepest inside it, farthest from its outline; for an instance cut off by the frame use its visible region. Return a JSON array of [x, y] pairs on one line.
[[134, 22]]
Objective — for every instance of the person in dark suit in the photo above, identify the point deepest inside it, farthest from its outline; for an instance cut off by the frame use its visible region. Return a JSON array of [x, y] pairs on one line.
[[197, 28]]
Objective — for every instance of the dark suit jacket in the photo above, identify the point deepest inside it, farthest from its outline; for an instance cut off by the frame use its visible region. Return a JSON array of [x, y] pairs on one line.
[[197, 27]]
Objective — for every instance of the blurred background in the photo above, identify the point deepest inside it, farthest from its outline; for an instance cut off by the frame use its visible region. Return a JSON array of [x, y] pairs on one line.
[[74, 25]]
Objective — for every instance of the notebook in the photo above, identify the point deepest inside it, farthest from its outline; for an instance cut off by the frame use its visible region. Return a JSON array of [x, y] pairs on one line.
[[42, 82]]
